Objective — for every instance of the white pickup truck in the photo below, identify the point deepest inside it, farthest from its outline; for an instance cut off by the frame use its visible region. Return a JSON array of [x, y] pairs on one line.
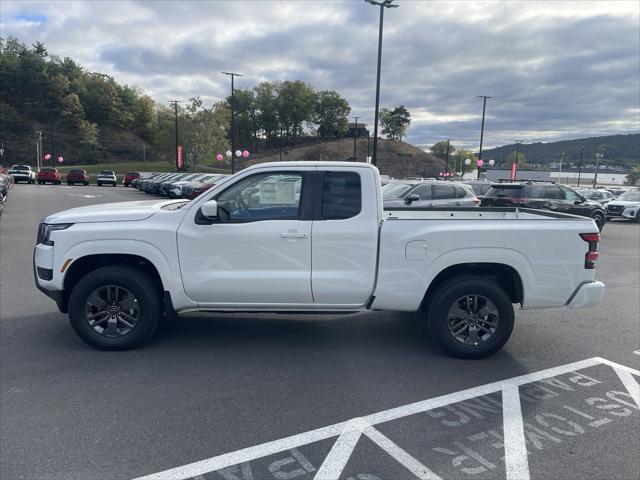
[[311, 237]]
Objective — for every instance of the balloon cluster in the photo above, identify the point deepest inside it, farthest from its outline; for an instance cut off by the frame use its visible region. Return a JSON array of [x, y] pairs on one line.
[[228, 154]]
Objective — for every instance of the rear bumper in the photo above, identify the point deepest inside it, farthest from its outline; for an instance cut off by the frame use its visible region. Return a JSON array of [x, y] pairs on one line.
[[587, 295]]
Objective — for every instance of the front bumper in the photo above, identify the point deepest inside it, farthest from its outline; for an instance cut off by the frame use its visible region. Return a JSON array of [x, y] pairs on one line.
[[630, 212], [58, 296], [587, 295]]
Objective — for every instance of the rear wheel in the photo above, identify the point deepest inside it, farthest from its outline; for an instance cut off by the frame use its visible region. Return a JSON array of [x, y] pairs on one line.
[[115, 308], [470, 316], [599, 219]]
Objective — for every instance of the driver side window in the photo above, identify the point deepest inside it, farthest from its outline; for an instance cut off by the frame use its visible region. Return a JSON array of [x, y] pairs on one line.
[[571, 195], [264, 196]]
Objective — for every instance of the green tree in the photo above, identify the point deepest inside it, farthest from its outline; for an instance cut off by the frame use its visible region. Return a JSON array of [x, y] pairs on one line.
[[522, 159], [439, 149], [458, 161], [331, 113], [395, 122], [266, 102], [296, 102], [633, 177]]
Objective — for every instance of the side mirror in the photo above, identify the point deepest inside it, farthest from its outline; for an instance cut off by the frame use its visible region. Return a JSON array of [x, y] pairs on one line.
[[412, 197], [210, 209]]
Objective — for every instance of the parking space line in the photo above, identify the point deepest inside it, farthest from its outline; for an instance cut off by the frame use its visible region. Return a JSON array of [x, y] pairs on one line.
[[515, 448], [341, 451], [348, 432], [630, 384]]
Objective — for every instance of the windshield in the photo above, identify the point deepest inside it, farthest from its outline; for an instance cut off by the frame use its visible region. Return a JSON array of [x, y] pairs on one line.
[[21, 167], [77, 172], [106, 172], [395, 190], [630, 197]]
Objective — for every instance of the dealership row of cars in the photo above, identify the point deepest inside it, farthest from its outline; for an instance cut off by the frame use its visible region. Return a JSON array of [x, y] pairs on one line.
[[177, 185], [599, 204]]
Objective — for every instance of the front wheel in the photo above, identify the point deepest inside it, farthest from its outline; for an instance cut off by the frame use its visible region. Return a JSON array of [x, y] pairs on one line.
[[115, 308], [470, 316]]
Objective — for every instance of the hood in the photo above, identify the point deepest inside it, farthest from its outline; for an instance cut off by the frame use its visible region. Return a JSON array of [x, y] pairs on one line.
[[110, 212], [623, 203]]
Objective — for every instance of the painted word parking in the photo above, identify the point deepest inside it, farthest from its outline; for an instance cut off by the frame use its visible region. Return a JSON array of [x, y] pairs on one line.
[[519, 428]]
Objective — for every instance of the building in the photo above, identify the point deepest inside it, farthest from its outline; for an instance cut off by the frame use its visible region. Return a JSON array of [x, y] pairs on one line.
[[357, 130]]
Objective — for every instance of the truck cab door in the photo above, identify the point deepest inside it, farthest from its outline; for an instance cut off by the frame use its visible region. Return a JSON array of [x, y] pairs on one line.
[[257, 252], [345, 238]]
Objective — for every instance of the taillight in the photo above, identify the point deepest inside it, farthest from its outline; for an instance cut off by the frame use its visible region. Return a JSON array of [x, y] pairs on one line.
[[593, 239]]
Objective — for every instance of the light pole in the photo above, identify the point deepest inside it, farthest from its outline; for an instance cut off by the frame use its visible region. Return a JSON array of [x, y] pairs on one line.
[[355, 138], [382, 4], [175, 117], [580, 164], [233, 121], [560, 170], [484, 107]]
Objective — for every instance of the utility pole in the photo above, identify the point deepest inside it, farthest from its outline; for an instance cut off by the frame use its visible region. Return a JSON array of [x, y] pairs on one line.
[[38, 149], [368, 139], [484, 107], [175, 117], [280, 142], [580, 164], [447, 166], [382, 4], [233, 121], [355, 138], [599, 157], [560, 170]]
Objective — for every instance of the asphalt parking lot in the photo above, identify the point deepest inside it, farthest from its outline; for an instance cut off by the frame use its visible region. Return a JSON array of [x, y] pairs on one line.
[[363, 397]]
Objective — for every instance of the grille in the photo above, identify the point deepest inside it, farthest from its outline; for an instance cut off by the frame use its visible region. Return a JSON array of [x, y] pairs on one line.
[[614, 208]]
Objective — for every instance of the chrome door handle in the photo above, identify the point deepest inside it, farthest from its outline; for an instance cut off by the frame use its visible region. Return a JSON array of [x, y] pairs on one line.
[[293, 235]]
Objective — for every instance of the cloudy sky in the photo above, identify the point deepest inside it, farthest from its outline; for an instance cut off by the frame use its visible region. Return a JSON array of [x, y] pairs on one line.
[[556, 69]]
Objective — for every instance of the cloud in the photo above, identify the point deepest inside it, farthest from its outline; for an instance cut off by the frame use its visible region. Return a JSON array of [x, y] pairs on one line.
[[555, 69]]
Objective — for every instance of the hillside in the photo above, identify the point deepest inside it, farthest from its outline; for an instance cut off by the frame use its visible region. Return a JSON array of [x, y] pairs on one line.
[[623, 150], [396, 159]]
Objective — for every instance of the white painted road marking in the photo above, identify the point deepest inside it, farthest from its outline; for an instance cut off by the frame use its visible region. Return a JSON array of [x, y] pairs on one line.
[[350, 431], [637, 352]]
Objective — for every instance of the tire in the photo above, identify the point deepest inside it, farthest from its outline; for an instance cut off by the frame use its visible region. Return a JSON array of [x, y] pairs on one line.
[[455, 292], [86, 184], [147, 309], [599, 219], [609, 219], [99, 184], [638, 217]]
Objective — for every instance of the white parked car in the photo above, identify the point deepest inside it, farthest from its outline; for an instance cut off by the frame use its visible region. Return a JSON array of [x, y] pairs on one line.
[[310, 237], [22, 173], [106, 177], [626, 206]]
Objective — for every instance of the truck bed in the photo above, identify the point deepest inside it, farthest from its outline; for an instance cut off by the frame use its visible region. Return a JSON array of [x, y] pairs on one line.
[[475, 213]]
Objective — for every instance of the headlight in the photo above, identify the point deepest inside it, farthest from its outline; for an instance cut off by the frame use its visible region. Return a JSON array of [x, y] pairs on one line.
[[45, 229]]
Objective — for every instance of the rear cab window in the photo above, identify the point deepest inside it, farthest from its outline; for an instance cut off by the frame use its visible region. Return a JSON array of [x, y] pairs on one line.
[[341, 195]]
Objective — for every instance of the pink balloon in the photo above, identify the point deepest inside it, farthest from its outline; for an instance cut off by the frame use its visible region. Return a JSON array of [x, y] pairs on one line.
[[480, 163], [245, 153], [440, 174], [60, 159], [219, 157], [47, 156]]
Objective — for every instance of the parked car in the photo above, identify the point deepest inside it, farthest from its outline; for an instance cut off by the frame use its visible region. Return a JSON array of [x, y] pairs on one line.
[[129, 177], [480, 187], [194, 189], [626, 206], [106, 177], [49, 175], [22, 173], [77, 175], [6, 183], [117, 268], [428, 193], [548, 196], [173, 189], [599, 195]]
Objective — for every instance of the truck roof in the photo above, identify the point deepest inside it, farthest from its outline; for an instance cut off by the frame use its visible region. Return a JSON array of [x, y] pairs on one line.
[[311, 163]]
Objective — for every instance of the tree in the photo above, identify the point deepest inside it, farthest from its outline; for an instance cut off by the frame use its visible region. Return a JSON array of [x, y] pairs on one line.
[[296, 102], [439, 149], [459, 161], [633, 177], [522, 159], [395, 122], [331, 113]]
